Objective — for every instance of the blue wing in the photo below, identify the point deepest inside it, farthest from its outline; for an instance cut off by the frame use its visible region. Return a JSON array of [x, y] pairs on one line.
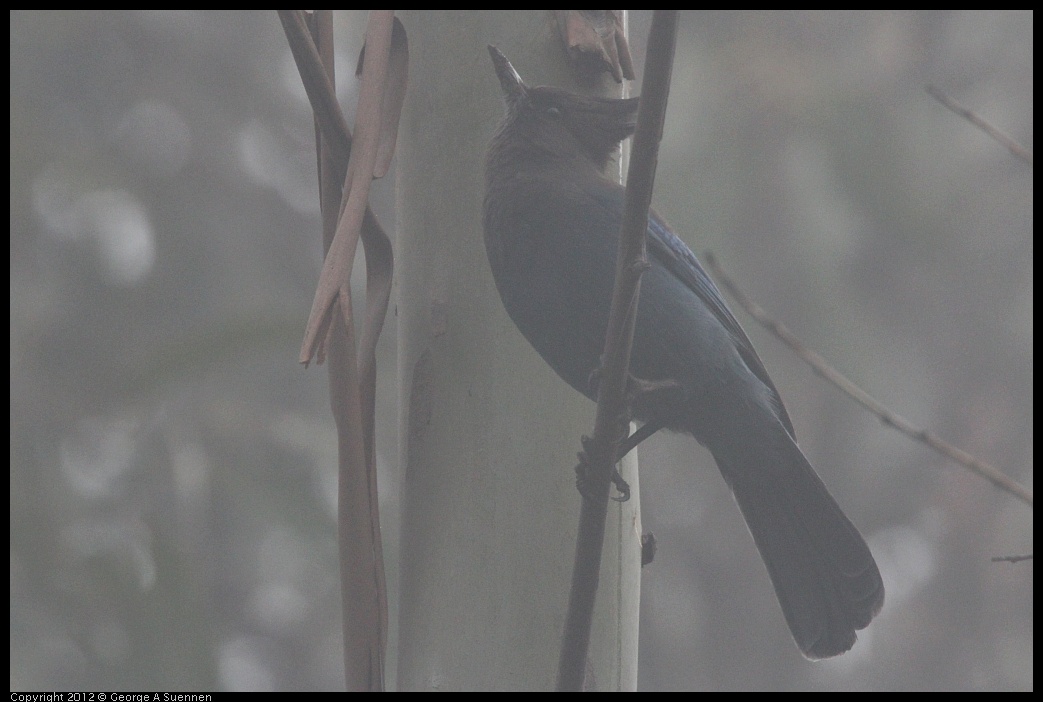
[[666, 248]]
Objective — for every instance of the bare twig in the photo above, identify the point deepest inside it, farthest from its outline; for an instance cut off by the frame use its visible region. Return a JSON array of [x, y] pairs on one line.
[[319, 87], [822, 368], [602, 449], [1012, 559], [1012, 146]]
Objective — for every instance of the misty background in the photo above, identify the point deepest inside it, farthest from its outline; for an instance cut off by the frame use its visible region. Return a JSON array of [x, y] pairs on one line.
[[172, 465]]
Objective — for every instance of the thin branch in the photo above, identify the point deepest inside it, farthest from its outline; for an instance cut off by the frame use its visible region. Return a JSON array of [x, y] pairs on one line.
[[1012, 559], [822, 368], [600, 451], [318, 86], [1014, 147]]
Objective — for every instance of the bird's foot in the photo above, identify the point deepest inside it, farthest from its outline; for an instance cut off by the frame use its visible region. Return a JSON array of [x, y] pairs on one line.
[[585, 482]]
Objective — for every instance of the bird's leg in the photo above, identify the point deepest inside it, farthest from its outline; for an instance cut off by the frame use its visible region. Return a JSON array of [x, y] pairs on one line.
[[583, 469], [643, 432], [655, 393], [671, 394]]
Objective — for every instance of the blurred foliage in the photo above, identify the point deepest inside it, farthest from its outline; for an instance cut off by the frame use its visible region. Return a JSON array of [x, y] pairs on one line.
[[172, 467]]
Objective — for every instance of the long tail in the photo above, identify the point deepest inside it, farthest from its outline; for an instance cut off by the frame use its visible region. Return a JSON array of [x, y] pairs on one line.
[[824, 575]]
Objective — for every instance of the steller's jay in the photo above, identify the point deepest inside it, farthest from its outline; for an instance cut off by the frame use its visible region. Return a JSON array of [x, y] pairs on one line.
[[552, 224]]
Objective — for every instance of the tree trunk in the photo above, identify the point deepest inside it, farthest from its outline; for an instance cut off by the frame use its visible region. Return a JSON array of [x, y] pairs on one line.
[[489, 433]]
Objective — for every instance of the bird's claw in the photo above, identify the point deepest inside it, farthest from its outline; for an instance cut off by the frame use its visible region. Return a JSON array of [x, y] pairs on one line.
[[622, 487], [583, 478]]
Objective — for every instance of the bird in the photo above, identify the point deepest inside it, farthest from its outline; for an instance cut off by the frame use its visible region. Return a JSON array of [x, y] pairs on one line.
[[551, 224]]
